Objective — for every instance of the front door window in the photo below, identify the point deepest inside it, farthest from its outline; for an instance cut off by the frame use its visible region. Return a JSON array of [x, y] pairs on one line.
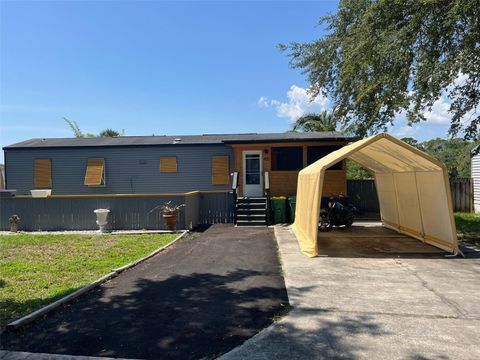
[[252, 161], [252, 169]]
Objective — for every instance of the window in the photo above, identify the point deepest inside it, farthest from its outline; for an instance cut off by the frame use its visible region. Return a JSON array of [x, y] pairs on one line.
[[43, 174], [220, 170], [95, 174], [287, 158], [315, 153], [168, 164]]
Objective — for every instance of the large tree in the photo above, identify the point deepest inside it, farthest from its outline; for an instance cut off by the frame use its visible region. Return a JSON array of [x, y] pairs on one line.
[[380, 57]]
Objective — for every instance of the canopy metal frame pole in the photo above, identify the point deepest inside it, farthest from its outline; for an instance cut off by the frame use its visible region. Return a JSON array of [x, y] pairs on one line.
[[419, 206]]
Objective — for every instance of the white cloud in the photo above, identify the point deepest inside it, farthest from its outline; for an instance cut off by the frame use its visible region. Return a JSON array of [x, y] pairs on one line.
[[405, 131], [439, 112], [423, 130], [263, 102], [299, 102]]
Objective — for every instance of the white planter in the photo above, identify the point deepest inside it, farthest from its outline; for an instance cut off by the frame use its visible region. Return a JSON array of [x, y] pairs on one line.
[[102, 221], [41, 193]]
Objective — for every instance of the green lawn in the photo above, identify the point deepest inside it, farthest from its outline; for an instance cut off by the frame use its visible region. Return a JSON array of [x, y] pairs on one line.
[[36, 270], [468, 226]]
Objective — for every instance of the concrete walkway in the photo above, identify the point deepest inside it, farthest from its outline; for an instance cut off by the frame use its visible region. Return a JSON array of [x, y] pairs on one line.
[[368, 307]]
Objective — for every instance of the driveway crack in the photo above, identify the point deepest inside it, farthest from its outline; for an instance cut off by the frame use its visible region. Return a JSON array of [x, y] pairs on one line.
[[461, 314]]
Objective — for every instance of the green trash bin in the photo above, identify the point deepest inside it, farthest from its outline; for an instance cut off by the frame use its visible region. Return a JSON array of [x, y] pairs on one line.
[[279, 207], [292, 201]]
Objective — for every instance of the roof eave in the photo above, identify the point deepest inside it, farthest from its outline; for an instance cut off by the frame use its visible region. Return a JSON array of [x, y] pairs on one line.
[[104, 146], [285, 140]]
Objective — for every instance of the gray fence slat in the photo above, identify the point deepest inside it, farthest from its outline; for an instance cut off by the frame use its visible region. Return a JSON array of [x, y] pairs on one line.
[[462, 195], [125, 213], [363, 194]]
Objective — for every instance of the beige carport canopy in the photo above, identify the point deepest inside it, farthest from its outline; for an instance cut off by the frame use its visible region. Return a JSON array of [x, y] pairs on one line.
[[413, 192]]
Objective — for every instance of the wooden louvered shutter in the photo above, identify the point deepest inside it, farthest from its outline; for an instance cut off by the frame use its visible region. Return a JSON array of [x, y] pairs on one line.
[[168, 164], [220, 170], [43, 174], [95, 174]]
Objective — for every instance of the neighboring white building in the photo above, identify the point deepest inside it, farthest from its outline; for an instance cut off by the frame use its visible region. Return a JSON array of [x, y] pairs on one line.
[[475, 154]]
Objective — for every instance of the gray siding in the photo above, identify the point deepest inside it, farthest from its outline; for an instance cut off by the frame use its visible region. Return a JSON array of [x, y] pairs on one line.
[[476, 182], [128, 170]]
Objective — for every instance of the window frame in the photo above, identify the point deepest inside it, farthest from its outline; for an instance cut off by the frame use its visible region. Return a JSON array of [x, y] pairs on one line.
[[335, 147], [167, 171], [49, 175], [272, 149], [225, 176], [103, 178]]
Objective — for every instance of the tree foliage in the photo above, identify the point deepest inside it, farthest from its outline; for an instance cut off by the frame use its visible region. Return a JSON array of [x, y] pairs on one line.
[[75, 128], [324, 121], [357, 172], [110, 133], [381, 57], [79, 134], [454, 153]]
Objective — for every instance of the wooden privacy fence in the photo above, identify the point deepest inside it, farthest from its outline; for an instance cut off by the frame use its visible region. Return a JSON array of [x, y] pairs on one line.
[[363, 194], [462, 194], [133, 212]]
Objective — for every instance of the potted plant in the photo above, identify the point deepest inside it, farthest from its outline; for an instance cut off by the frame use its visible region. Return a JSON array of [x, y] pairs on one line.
[[170, 213], [14, 221]]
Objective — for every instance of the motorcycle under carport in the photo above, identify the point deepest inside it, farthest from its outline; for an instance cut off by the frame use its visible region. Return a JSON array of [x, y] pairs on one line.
[[338, 213]]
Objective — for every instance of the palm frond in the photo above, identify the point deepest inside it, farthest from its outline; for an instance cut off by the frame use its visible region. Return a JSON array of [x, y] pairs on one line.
[[75, 128]]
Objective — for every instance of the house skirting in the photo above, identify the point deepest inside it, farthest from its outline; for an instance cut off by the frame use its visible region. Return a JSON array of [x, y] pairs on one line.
[[127, 211]]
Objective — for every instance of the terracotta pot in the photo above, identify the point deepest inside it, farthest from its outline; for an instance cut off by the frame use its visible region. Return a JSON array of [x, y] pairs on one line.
[[170, 218]]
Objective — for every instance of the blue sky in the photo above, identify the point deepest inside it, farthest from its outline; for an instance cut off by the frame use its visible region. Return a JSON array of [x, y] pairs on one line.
[[153, 67]]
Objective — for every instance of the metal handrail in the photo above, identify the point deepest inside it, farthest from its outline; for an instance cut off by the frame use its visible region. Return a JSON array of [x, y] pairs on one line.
[[267, 195], [235, 194], [235, 180]]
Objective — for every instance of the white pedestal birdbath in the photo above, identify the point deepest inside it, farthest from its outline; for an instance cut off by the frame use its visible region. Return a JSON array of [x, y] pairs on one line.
[[102, 221]]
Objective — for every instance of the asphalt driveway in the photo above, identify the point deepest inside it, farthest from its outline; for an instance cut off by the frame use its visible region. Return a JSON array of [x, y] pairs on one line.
[[203, 296], [373, 294]]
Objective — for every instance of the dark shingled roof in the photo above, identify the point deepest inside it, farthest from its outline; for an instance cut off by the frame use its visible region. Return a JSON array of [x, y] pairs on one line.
[[206, 139]]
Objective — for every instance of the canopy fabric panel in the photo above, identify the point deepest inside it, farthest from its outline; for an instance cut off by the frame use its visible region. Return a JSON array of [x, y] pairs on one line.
[[413, 192]]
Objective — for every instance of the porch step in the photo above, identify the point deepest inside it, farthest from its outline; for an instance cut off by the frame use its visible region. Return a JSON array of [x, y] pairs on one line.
[[252, 206], [259, 216], [251, 222], [251, 211]]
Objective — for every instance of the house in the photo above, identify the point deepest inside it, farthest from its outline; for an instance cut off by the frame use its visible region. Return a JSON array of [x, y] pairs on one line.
[[475, 155], [169, 165]]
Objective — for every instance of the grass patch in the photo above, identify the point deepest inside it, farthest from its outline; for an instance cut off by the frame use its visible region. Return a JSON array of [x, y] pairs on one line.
[[468, 226], [36, 270]]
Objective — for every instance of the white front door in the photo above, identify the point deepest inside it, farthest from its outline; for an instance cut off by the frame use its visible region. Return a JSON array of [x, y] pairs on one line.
[[252, 174]]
